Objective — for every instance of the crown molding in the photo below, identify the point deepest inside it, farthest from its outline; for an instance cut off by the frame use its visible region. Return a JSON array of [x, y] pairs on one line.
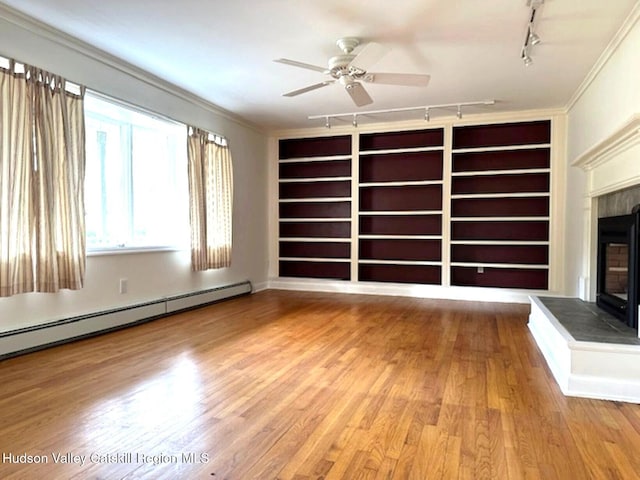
[[616, 41], [52, 34], [627, 136]]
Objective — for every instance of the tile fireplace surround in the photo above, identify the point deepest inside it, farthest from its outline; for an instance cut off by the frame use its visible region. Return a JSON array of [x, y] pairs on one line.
[[590, 354]]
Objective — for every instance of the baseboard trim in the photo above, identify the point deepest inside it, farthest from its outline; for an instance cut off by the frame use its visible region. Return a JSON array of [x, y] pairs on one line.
[[37, 337], [476, 294]]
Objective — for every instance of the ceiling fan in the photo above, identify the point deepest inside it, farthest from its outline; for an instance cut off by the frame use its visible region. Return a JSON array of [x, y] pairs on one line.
[[350, 70]]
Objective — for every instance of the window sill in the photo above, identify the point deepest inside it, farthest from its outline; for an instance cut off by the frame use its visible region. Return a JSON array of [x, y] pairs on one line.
[[97, 252]]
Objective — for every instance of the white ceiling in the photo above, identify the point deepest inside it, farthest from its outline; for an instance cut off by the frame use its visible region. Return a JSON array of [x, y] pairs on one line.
[[223, 51]]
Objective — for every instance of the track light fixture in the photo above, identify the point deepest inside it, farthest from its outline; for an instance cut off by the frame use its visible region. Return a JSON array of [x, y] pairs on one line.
[[531, 38], [427, 109]]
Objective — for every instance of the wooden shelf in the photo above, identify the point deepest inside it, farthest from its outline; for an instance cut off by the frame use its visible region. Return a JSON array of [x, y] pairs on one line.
[[520, 278], [433, 137], [333, 229], [400, 273], [399, 167], [400, 249], [315, 269], [401, 225], [315, 249], [500, 253], [502, 135], [406, 198], [318, 169], [323, 189], [315, 147]]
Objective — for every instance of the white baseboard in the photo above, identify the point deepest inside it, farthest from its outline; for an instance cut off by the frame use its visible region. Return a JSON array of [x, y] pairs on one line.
[[24, 340], [476, 294]]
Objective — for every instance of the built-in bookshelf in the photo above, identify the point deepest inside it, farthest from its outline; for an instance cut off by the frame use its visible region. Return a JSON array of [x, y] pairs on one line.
[[500, 203], [400, 206], [380, 216], [315, 207]]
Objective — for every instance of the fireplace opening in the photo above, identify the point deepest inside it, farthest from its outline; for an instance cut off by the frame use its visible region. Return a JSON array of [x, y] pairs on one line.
[[618, 286]]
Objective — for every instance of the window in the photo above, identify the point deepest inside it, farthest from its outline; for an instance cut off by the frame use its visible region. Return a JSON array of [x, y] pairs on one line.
[[136, 187]]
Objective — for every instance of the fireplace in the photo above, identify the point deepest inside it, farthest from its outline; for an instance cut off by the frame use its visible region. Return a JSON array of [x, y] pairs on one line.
[[618, 267]]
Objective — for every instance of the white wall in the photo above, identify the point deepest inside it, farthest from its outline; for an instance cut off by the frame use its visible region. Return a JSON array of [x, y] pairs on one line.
[[609, 97], [150, 275]]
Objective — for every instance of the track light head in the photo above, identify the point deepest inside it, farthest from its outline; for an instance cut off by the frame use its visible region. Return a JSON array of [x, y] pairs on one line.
[[427, 117], [534, 39], [459, 112], [527, 60], [355, 121]]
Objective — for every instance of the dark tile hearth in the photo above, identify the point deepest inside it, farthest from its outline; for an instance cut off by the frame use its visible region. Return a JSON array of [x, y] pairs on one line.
[[587, 323]]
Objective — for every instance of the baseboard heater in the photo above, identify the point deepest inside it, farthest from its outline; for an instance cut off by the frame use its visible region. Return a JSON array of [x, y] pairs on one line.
[[29, 339]]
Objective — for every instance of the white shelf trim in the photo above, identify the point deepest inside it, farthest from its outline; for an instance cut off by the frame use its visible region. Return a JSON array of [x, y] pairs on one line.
[[500, 195], [523, 266], [314, 259], [319, 220], [500, 219], [393, 213], [401, 150], [399, 262], [315, 179], [499, 242], [536, 146], [315, 200], [315, 159], [401, 183], [519, 171], [315, 239], [400, 237]]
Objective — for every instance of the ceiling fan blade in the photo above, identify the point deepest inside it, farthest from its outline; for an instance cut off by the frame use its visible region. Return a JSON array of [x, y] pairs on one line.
[[307, 89], [294, 63], [369, 55], [358, 94], [408, 79]]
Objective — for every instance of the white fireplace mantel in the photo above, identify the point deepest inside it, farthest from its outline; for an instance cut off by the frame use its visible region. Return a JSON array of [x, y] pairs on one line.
[[614, 163], [611, 165]]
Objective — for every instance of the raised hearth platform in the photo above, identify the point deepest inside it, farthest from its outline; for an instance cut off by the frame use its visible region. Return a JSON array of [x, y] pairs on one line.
[[590, 353]]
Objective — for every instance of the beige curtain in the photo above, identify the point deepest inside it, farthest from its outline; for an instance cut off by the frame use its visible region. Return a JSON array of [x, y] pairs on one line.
[[42, 155], [210, 201]]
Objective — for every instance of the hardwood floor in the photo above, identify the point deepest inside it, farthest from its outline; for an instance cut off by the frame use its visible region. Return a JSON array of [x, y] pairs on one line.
[[292, 385]]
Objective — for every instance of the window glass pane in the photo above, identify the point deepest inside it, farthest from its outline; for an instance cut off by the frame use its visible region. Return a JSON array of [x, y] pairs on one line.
[[136, 179]]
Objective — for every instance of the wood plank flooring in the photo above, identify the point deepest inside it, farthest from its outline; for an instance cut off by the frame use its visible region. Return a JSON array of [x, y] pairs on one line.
[[291, 385]]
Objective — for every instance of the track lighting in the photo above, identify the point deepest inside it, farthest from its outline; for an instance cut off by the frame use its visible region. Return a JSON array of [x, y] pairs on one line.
[[534, 39], [531, 38], [427, 110]]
